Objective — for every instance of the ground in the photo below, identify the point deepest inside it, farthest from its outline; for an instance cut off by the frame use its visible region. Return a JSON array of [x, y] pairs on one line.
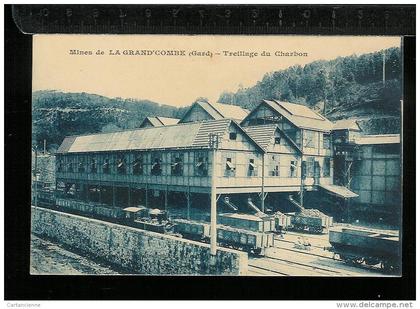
[[52, 259]]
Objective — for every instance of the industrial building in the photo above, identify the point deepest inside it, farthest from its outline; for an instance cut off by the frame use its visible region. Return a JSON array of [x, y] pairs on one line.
[[270, 156]]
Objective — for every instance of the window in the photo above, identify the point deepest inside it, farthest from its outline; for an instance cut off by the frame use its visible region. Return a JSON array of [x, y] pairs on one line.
[[59, 166], [177, 166], [106, 167], [293, 168], [252, 168], [81, 167], [277, 140], [310, 165], [93, 167], [121, 166], [70, 167], [309, 139], [275, 171], [230, 168], [326, 141], [156, 167], [232, 136], [138, 166], [326, 170], [201, 164]]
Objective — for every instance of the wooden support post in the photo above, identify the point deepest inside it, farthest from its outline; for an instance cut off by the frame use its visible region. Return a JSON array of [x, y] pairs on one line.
[[129, 196], [213, 210], [86, 192], [188, 203], [113, 195], [166, 198], [147, 197], [100, 194]]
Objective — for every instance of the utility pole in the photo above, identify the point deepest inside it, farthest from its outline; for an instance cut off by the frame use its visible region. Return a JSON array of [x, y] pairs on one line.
[[45, 146], [262, 186], [213, 144]]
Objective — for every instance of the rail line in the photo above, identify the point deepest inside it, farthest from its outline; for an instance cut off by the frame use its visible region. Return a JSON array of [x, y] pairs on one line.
[[265, 271]]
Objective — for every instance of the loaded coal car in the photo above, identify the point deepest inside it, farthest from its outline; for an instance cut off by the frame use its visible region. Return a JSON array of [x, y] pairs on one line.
[[44, 197], [310, 220], [193, 230], [248, 222], [245, 240], [360, 246], [251, 241], [154, 220]]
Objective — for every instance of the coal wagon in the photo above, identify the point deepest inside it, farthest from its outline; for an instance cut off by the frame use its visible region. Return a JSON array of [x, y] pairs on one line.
[[366, 246]]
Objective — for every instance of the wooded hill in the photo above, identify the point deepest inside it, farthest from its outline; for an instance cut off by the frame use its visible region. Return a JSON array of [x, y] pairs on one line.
[[346, 87]]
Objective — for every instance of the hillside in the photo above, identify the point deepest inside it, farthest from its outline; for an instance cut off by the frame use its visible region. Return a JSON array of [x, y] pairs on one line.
[[346, 87], [57, 114]]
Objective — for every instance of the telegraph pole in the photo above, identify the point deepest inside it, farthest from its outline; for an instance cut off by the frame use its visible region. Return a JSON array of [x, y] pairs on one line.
[[262, 185], [213, 144]]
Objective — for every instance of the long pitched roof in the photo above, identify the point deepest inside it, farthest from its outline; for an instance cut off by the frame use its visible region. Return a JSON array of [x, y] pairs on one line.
[[263, 134], [378, 139], [300, 115], [346, 124], [187, 135]]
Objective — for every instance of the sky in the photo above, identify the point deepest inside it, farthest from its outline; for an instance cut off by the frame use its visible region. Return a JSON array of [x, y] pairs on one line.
[[178, 79]]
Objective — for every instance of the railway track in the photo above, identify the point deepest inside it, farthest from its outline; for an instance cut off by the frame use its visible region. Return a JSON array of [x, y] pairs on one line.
[[330, 257]]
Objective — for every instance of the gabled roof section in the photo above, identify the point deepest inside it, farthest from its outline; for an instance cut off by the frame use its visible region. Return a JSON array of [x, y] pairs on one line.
[[299, 115], [263, 135], [219, 111], [230, 111], [159, 121], [347, 124], [167, 121], [378, 139]]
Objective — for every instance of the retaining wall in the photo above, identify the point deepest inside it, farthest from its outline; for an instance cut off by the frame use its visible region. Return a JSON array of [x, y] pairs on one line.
[[141, 252]]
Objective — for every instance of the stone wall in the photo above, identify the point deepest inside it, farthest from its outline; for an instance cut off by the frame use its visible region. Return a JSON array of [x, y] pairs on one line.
[[141, 252]]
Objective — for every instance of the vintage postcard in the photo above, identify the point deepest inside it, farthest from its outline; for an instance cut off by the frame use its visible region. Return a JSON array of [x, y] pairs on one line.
[[216, 155]]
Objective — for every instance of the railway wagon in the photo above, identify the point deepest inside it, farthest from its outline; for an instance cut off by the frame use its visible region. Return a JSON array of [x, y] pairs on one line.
[[310, 220], [282, 221], [91, 208], [250, 241], [248, 222], [44, 198], [192, 229], [366, 246]]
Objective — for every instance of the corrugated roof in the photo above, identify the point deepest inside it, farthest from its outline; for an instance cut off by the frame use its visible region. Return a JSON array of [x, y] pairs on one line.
[[301, 116], [214, 113], [188, 135], [346, 124], [378, 139]]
